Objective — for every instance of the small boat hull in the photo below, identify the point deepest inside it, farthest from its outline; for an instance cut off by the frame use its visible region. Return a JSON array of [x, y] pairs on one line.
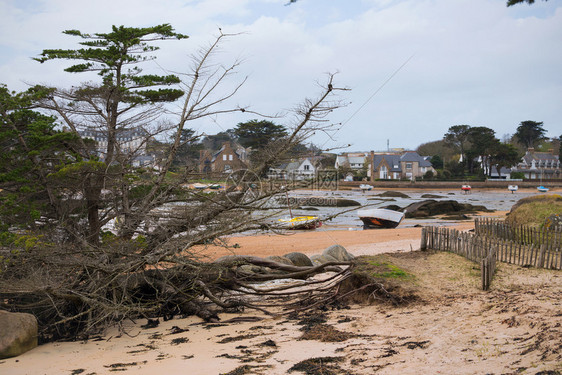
[[380, 218], [466, 188], [301, 222], [542, 189], [512, 188]]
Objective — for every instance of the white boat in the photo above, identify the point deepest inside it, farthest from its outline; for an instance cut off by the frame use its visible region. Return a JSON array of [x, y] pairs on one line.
[[380, 218], [365, 187], [512, 188], [542, 189]]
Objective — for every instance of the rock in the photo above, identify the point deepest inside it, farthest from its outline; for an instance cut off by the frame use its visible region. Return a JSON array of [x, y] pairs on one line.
[[393, 207], [18, 333], [393, 194], [431, 196], [250, 269], [282, 259], [338, 252], [432, 207], [299, 259], [322, 259]]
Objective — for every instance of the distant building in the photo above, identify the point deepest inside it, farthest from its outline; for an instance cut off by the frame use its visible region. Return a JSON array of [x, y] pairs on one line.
[[406, 165], [355, 160], [302, 169], [537, 165], [130, 143], [224, 160], [127, 141]]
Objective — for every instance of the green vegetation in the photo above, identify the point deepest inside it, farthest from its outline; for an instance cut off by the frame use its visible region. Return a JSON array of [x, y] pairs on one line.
[[380, 267], [533, 211]]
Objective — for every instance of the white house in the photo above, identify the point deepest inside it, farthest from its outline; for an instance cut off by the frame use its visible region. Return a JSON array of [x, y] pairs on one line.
[[355, 161], [297, 170]]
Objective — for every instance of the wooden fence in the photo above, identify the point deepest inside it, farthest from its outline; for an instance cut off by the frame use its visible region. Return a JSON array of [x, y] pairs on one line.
[[486, 250], [550, 237]]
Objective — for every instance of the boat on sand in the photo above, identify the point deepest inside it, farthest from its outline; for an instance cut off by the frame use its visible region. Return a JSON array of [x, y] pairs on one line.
[[380, 218], [301, 222]]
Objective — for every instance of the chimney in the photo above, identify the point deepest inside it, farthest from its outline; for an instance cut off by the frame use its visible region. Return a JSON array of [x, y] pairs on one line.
[[551, 151], [531, 150]]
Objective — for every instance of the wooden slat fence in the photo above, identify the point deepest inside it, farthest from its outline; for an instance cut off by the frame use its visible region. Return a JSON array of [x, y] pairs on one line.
[[479, 248], [497, 228]]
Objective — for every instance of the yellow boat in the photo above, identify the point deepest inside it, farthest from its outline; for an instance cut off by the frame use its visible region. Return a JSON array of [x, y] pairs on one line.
[[301, 222]]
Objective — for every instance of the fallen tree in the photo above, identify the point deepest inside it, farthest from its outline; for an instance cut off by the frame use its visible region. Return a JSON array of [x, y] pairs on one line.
[[103, 241]]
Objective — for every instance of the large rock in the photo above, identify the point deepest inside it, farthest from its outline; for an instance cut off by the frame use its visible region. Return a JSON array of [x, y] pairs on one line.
[[322, 259], [283, 260], [393, 194], [338, 252], [431, 207], [18, 333], [299, 259]]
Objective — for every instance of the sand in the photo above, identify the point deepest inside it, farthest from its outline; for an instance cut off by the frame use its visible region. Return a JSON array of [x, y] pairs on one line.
[[454, 328]]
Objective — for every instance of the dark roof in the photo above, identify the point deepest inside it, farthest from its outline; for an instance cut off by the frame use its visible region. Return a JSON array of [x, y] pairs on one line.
[[412, 156], [394, 160]]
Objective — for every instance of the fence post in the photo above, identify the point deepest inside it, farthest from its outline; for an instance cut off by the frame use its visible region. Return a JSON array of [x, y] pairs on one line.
[[423, 245], [541, 256]]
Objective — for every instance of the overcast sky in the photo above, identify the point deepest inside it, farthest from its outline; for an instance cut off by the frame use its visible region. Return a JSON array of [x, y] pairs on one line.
[[472, 62]]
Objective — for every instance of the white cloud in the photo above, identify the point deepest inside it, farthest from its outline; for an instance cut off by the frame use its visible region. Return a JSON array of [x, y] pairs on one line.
[[475, 62]]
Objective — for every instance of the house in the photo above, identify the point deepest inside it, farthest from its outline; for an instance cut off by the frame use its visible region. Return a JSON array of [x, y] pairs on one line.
[[302, 169], [539, 165], [130, 143], [355, 161], [224, 160], [394, 166]]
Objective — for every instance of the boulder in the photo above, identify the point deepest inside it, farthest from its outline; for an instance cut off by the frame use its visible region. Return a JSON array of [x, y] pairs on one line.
[[338, 252], [322, 259], [431, 207], [431, 196], [279, 259], [299, 259], [18, 333], [393, 194]]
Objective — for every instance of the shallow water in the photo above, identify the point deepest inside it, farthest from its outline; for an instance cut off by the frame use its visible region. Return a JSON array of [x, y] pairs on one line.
[[497, 200]]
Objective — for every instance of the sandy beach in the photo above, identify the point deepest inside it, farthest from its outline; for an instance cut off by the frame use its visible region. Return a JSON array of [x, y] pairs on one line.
[[452, 328]]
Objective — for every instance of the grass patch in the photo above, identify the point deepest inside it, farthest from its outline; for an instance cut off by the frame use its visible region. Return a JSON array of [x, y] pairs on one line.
[[381, 268], [533, 211]]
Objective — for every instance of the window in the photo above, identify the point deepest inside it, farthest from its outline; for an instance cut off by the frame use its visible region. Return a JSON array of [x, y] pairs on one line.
[[408, 165], [230, 157], [224, 157], [383, 172], [307, 167]]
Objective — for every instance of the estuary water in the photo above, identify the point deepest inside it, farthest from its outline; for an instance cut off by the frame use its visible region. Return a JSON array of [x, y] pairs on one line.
[[497, 200]]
